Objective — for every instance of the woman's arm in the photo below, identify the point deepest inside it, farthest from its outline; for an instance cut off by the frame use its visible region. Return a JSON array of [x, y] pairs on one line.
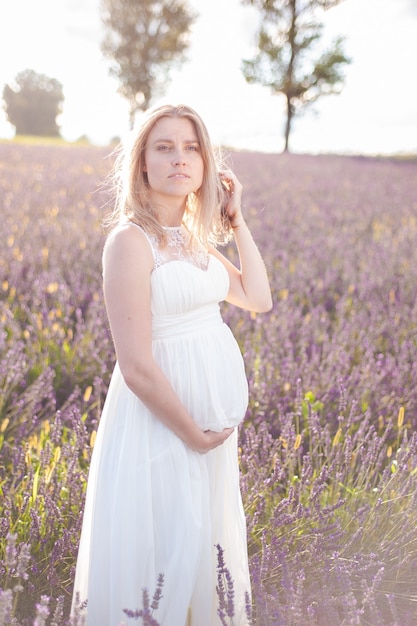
[[249, 286], [127, 266]]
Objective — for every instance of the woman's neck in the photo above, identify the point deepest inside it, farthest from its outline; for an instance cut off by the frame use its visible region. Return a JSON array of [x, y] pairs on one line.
[[170, 211]]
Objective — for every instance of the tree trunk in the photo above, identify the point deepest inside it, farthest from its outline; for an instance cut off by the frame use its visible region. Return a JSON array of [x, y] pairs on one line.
[[290, 71], [288, 124]]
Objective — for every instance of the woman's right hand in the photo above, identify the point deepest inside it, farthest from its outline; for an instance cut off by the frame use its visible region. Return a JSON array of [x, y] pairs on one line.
[[209, 439]]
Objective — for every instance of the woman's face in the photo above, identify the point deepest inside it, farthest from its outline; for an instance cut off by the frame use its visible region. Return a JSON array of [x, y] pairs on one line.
[[173, 161]]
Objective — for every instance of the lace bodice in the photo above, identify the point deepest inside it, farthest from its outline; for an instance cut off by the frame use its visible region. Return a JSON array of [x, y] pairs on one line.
[[179, 247], [185, 275]]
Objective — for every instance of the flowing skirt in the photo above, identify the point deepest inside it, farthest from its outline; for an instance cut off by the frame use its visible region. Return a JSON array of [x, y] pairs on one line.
[[154, 506]]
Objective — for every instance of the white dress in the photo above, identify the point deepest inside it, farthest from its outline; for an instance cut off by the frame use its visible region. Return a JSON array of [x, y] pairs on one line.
[[153, 505]]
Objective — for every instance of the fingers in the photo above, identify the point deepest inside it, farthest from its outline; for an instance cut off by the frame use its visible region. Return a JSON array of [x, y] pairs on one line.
[[232, 204], [230, 180], [215, 439]]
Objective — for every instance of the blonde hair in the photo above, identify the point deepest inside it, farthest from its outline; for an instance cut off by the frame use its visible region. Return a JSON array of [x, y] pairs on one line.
[[133, 195]]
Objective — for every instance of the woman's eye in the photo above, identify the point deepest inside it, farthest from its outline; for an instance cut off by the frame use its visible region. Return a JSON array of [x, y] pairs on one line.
[[193, 148], [163, 148]]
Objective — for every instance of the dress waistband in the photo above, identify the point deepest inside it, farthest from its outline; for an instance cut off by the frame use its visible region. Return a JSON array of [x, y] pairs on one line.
[[195, 321]]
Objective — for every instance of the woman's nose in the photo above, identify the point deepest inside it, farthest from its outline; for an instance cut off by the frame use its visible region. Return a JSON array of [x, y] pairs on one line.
[[179, 159]]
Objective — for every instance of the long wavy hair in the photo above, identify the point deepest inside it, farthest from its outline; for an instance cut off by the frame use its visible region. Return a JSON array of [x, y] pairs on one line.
[[133, 195]]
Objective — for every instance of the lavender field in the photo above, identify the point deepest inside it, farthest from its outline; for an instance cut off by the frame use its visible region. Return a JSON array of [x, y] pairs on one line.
[[329, 445]]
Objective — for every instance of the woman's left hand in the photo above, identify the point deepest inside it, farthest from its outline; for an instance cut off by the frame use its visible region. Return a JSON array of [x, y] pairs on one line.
[[233, 189]]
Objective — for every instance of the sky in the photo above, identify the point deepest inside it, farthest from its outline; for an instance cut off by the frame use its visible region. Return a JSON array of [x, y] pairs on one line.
[[376, 113]]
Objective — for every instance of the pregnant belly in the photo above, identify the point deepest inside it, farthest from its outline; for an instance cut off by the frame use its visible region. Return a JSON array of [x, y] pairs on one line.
[[208, 374]]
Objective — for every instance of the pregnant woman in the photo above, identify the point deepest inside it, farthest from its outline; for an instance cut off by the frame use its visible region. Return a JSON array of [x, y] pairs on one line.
[[163, 487]]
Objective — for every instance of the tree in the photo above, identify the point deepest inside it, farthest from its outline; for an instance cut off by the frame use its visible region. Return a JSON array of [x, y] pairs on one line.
[[144, 40], [289, 59], [33, 104]]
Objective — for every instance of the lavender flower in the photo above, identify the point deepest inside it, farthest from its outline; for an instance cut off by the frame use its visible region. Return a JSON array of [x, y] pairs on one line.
[[328, 449]]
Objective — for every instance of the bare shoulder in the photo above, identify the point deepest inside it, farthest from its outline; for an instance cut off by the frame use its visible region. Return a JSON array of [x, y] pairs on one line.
[[127, 243]]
